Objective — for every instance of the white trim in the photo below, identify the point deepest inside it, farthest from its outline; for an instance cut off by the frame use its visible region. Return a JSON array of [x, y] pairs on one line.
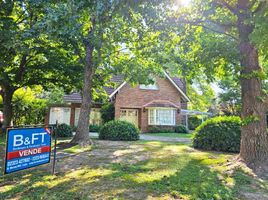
[[155, 123], [163, 108], [175, 85], [169, 78], [117, 89]]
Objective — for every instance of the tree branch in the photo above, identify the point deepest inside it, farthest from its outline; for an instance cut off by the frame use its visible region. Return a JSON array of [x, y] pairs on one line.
[[200, 23], [20, 72], [224, 4], [259, 7], [220, 32]]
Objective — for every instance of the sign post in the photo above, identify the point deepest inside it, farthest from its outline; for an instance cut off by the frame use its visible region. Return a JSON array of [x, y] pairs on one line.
[[55, 149], [27, 148]]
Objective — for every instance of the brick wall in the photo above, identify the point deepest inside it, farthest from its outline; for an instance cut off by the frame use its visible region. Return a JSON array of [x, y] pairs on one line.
[[134, 97]]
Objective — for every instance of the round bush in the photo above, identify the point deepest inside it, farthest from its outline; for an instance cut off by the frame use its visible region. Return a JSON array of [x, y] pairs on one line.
[[219, 133], [64, 130], [119, 130], [181, 129]]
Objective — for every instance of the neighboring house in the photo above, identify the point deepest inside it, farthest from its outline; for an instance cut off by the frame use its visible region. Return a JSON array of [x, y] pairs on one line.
[[158, 104]]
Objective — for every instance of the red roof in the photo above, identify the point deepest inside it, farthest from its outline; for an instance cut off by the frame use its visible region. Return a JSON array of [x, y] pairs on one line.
[[117, 80], [160, 103]]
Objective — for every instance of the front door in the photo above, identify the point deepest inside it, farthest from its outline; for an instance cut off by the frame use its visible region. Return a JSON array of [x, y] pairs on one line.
[[130, 115]]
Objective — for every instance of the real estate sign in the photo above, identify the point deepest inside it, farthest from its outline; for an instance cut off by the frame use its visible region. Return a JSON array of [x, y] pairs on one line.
[[26, 148]]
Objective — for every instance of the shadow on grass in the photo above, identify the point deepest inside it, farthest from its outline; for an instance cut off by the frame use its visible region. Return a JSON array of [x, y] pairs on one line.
[[176, 176]]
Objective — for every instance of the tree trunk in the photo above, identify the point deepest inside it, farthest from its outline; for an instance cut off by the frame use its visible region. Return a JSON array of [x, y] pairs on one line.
[[254, 138], [7, 94], [82, 133]]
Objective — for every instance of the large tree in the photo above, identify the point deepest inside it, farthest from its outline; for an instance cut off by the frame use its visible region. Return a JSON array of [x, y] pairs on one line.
[[229, 36], [27, 57], [107, 37]]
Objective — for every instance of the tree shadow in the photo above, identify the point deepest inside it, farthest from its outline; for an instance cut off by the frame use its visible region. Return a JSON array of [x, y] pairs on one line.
[[189, 178]]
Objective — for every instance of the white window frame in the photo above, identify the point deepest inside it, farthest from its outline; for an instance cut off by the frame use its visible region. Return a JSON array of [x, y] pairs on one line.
[[153, 86], [149, 87], [156, 119]]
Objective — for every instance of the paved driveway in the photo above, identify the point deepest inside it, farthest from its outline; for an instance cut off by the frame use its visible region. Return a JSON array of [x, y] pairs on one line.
[[153, 138]]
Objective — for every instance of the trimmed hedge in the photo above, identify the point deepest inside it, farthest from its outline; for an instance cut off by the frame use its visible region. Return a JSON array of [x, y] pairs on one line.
[[219, 133], [119, 130], [64, 130], [181, 129]]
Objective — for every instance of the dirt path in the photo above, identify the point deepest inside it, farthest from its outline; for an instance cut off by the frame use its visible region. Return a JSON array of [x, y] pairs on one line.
[[105, 153], [154, 138]]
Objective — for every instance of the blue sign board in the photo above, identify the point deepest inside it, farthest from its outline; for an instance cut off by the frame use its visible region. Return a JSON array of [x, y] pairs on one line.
[[26, 148]]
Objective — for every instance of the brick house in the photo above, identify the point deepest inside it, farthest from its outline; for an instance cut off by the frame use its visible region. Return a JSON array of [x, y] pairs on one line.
[[158, 104]]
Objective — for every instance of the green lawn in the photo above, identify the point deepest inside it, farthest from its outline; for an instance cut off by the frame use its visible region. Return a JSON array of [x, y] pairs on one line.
[[2, 140], [173, 135], [135, 170]]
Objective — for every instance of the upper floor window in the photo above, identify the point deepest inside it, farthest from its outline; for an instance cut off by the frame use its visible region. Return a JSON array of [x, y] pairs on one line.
[[149, 86]]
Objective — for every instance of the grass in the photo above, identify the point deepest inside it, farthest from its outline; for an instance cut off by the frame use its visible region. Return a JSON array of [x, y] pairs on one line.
[[172, 135], [70, 149], [134, 170], [77, 149], [2, 140]]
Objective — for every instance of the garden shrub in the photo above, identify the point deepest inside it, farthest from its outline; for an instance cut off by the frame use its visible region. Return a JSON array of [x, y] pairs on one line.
[[94, 128], [161, 129], [74, 128], [194, 122], [181, 129], [107, 112], [219, 133], [119, 130], [64, 130]]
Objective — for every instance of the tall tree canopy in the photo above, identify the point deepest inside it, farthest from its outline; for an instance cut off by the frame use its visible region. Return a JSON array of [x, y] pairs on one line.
[[107, 37], [223, 37], [27, 56]]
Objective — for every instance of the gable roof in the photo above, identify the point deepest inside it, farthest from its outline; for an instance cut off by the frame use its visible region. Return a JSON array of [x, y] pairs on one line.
[[176, 82], [119, 83]]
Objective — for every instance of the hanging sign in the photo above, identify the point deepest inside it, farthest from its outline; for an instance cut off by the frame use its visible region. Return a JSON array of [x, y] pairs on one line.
[[26, 148]]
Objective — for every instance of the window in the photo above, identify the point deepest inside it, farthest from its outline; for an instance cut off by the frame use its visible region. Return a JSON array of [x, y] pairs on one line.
[[162, 116], [95, 116], [149, 86], [123, 113]]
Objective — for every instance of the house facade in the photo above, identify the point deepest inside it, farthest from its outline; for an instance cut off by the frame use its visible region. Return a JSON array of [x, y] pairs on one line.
[[145, 106]]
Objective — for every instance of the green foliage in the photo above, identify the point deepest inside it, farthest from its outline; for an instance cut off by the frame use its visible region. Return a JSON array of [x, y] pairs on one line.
[[181, 129], [107, 112], [230, 96], [28, 57], [194, 122], [27, 107], [54, 95], [64, 130], [161, 129], [219, 133], [119, 130], [201, 94], [94, 128]]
